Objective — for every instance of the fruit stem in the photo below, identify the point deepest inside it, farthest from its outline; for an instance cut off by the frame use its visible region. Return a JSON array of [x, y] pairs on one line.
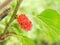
[[12, 17]]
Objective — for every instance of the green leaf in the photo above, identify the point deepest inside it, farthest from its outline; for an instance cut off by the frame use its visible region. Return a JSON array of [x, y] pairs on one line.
[[50, 23]]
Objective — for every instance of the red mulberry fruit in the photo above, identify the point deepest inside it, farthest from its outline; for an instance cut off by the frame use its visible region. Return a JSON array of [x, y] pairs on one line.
[[24, 22]]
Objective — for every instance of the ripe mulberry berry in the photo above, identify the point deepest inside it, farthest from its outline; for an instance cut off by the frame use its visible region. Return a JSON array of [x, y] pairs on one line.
[[24, 22]]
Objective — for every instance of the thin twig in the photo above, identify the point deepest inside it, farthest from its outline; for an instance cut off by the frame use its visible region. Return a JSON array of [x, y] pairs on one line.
[[6, 36]]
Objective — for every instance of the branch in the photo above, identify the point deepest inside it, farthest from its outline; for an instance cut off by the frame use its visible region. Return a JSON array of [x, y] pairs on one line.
[[5, 3], [12, 18], [4, 13], [13, 15]]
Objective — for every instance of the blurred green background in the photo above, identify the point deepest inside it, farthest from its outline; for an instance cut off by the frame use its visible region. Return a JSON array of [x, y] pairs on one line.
[[45, 16]]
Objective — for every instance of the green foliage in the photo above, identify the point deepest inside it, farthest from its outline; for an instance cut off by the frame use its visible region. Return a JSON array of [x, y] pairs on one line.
[[18, 40], [51, 27]]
